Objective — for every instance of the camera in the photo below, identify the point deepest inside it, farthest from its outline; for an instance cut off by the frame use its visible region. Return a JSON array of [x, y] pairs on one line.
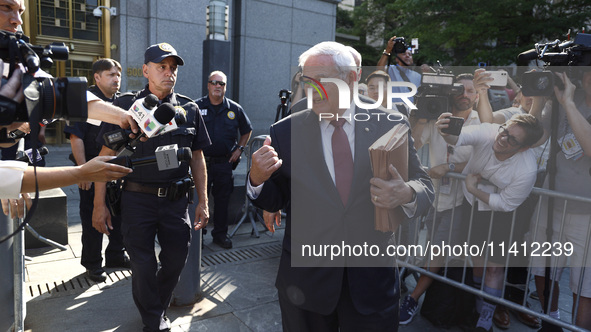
[[46, 98], [400, 45], [558, 57], [433, 96]]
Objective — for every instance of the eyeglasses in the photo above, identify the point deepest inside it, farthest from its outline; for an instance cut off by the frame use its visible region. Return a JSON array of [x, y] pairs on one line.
[[220, 83], [510, 139]]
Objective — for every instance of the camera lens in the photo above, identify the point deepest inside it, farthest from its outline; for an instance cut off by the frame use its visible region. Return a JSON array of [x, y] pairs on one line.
[[63, 98]]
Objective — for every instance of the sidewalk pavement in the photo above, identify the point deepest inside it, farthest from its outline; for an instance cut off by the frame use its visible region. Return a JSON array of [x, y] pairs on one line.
[[237, 284]]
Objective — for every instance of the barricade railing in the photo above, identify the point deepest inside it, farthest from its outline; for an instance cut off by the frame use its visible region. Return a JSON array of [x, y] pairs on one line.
[[422, 264], [250, 211]]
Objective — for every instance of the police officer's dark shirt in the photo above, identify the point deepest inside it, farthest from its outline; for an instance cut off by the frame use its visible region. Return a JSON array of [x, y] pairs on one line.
[[223, 123], [88, 132], [191, 134]]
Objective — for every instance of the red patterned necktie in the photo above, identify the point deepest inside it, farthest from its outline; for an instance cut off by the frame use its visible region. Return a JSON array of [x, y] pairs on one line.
[[343, 160]]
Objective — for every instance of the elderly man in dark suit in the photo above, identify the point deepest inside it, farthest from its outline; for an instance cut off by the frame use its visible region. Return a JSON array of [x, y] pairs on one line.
[[325, 183]]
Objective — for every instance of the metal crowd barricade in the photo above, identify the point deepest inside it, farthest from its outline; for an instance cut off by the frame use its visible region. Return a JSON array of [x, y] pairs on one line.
[[250, 211], [417, 264]]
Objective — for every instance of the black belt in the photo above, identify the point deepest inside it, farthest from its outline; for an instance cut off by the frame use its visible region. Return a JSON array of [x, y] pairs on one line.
[[217, 160], [141, 188]]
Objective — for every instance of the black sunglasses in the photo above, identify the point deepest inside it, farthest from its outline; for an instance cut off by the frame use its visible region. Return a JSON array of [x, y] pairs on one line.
[[220, 83], [505, 133]]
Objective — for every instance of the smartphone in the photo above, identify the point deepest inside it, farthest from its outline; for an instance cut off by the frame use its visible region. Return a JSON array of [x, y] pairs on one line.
[[455, 126], [499, 78]]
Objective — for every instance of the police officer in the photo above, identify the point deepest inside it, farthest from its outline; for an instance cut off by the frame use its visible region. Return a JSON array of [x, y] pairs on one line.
[[226, 124], [154, 203], [82, 135]]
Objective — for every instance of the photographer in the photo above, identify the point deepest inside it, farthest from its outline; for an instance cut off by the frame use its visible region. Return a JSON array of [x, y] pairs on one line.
[[400, 71], [19, 177], [573, 164]]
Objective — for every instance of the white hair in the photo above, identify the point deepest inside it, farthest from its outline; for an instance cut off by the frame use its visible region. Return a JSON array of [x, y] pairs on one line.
[[341, 56]]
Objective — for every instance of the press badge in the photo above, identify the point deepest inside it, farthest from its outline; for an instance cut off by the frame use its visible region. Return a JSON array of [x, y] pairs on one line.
[[203, 111], [570, 146], [445, 186]]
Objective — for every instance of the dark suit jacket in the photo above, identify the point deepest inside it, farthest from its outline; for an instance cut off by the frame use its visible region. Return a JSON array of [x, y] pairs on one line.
[[304, 188]]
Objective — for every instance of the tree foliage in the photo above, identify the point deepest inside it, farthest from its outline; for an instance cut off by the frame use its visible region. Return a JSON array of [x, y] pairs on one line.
[[465, 32]]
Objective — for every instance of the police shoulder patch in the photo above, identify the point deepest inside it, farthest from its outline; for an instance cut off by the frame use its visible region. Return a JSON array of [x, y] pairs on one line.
[[231, 115]]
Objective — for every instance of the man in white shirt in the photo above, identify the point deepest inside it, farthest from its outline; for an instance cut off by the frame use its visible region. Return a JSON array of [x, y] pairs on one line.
[[501, 154]]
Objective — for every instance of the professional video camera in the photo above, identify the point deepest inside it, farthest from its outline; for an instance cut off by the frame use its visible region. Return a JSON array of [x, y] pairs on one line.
[[433, 96], [555, 55], [46, 98]]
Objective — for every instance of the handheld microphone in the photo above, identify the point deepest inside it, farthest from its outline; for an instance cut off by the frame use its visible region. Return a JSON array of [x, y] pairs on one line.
[[27, 155], [16, 134], [166, 156], [162, 116], [150, 124]]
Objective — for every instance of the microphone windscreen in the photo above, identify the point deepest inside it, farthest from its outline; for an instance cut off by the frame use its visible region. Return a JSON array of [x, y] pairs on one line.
[[43, 150], [164, 113], [150, 101], [525, 57]]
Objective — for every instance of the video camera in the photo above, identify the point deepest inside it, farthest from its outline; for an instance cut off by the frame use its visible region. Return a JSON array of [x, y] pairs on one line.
[[433, 96], [46, 98], [555, 55]]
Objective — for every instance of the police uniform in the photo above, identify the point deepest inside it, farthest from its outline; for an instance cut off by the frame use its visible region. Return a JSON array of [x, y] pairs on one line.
[[223, 123], [92, 240], [147, 212]]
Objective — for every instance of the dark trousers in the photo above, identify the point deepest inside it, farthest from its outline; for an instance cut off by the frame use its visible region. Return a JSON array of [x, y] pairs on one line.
[[345, 318], [92, 240], [220, 184], [146, 216]]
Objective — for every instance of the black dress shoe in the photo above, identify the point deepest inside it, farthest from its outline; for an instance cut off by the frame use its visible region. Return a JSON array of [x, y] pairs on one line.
[[122, 262], [223, 242], [98, 275]]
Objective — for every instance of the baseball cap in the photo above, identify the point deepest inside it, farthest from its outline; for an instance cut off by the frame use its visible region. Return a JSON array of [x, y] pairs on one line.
[[157, 52]]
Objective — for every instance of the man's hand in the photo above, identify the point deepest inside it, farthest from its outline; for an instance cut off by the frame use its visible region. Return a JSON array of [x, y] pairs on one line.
[[443, 122], [265, 162], [391, 193], [472, 182], [201, 216], [101, 219], [85, 185], [99, 170], [13, 89], [235, 155], [566, 95], [17, 206], [481, 79], [390, 45], [438, 171], [272, 218]]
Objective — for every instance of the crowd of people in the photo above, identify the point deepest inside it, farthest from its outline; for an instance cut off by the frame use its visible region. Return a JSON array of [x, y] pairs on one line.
[[317, 170]]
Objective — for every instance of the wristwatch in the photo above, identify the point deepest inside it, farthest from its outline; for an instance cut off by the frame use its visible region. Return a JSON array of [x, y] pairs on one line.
[[241, 148], [386, 53], [452, 167]]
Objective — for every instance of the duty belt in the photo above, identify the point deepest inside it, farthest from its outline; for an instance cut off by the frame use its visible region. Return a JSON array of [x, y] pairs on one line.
[[217, 160], [141, 188]]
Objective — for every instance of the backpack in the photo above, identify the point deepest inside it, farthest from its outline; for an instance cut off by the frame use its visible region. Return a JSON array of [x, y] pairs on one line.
[[445, 305]]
